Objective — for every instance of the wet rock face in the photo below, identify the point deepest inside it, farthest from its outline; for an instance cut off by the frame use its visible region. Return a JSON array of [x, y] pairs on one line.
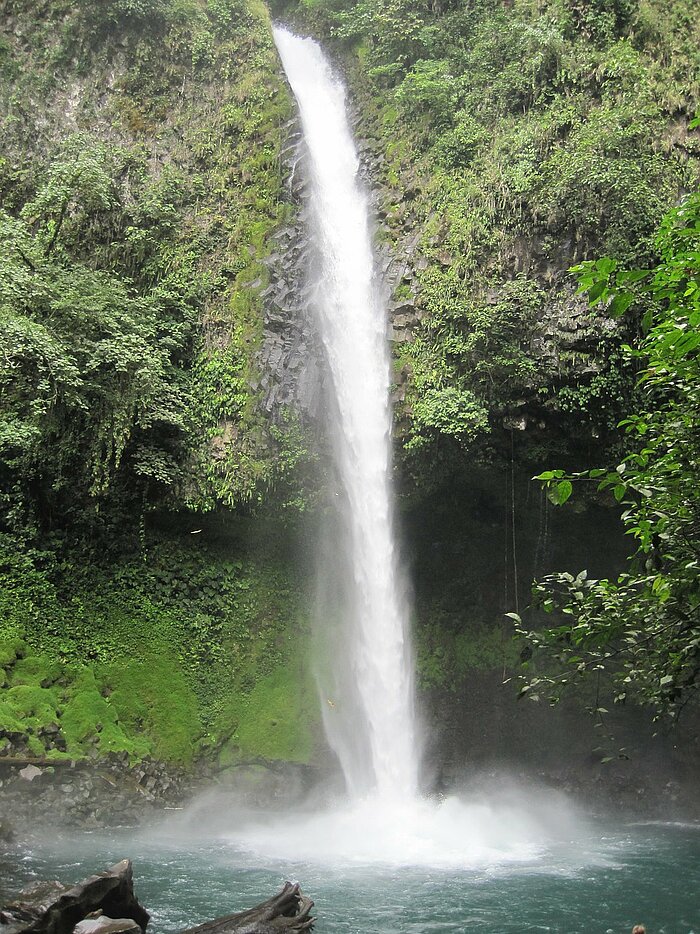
[[103, 793], [290, 358]]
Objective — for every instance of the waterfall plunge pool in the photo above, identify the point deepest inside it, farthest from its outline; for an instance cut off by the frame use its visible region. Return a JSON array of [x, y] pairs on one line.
[[587, 876]]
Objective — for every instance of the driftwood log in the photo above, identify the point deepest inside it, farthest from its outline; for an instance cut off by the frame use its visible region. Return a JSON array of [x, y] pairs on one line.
[[288, 911], [105, 904]]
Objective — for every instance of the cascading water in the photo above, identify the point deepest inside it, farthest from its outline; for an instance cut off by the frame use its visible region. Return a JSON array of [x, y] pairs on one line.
[[368, 697], [369, 717]]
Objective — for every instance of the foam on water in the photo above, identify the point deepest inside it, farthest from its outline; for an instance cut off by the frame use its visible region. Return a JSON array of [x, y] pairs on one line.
[[447, 834]]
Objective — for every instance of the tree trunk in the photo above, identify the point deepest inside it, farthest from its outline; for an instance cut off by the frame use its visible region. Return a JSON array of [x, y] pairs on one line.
[[288, 911]]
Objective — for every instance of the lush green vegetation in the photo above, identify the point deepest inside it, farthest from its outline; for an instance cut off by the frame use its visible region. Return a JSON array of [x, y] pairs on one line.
[[516, 139], [176, 650], [140, 180], [641, 632], [133, 236]]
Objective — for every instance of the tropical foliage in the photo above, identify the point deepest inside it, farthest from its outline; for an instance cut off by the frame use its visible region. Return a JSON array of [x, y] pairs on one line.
[[92, 358], [516, 139], [139, 180], [642, 630]]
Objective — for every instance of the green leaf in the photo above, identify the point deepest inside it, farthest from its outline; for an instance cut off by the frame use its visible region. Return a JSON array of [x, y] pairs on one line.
[[619, 305], [619, 491], [561, 491], [596, 292]]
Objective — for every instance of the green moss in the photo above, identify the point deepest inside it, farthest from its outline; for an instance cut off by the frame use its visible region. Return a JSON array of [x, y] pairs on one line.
[[11, 648], [32, 705], [279, 719], [446, 655], [86, 713], [36, 669], [152, 698], [35, 746], [9, 720], [159, 657]]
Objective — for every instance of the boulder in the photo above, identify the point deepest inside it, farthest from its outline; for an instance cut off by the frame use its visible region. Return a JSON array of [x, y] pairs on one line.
[[105, 904], [53, 908], [32, 903], [29, 773], [102, 924]]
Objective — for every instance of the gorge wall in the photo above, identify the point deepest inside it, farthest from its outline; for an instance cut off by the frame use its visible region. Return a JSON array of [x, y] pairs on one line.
[[159, 522]]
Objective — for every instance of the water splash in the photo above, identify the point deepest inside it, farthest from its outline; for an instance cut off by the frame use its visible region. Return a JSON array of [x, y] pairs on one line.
[[367, 689], [495, 823], [450, 833]]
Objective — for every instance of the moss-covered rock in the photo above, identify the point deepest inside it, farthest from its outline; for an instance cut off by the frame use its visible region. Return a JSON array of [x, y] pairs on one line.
[[278, 719]]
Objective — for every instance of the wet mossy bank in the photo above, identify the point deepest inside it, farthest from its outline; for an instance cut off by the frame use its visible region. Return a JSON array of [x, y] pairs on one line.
[[187, 665], [191, 646]]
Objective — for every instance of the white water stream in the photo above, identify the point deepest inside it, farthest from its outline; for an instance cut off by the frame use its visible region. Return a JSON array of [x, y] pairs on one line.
[[368, 702], [366, 679]]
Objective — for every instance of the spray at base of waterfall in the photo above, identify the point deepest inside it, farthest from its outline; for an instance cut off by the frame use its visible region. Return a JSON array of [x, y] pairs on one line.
[[510, 825]]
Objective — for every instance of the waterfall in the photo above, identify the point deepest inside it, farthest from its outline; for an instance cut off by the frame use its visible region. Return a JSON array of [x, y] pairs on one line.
[[367, 688], [365, 666]]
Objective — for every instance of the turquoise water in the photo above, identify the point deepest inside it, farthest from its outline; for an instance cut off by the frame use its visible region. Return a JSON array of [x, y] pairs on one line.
[[619, 876]]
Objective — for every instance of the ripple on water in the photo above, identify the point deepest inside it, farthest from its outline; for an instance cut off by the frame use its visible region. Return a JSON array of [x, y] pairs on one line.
[[606, 881]]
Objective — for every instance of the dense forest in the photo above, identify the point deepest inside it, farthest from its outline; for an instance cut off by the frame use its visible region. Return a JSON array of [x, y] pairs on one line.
[[154, 595]]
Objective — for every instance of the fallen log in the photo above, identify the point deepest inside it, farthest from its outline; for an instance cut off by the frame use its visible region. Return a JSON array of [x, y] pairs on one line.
[[288, 911], [105, 904], [43, 762]]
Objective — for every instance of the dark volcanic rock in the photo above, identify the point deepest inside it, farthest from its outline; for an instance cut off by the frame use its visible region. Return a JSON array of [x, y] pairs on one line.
[[290, 358], [53, 908], [99, 793], [32, 903]]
